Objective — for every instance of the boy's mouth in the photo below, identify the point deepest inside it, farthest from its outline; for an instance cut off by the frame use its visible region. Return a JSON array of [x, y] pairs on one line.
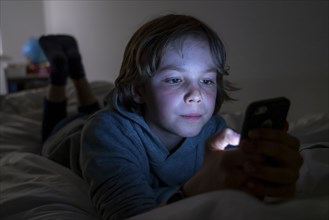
[[192, 116]]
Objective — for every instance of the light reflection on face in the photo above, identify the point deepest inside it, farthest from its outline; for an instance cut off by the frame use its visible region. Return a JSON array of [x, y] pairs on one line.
[[180, 98]]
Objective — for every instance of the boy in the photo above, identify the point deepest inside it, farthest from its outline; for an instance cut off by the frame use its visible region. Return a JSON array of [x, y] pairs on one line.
[[160, 138]]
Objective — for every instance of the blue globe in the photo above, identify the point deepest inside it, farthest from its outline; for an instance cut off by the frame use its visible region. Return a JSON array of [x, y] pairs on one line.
[[33, 51]]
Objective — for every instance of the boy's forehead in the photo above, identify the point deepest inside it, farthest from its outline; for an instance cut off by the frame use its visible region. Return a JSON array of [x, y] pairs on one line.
[[181, 41], [178, 45], [186, 53]]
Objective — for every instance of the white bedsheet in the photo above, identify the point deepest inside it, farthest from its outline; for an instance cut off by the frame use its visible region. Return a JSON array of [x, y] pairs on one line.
[[33, 188]]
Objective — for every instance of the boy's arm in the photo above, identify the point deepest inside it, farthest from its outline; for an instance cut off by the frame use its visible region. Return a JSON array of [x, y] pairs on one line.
[[221, 169], [115, 170]]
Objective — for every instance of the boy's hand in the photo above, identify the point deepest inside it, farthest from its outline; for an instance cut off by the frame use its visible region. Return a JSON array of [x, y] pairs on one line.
[[221, 169], [274, 166], [247, 168]]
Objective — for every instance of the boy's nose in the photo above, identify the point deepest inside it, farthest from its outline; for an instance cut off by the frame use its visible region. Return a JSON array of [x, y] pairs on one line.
[[193, 96]]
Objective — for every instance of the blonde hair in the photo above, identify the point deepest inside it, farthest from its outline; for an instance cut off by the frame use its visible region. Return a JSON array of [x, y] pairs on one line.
[[143, 53]]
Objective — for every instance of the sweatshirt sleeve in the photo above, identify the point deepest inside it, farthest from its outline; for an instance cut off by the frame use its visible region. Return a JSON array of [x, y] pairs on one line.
[[115, 166]]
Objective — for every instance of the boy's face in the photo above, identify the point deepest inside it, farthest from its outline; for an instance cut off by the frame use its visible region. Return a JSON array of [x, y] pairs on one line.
[[180, 98]]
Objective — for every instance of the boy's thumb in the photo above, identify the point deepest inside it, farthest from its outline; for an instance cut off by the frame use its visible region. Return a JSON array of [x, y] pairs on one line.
[[223, 139]]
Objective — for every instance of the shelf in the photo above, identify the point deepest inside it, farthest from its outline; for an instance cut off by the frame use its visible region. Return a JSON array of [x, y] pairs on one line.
[[28, 77], [20, 83]]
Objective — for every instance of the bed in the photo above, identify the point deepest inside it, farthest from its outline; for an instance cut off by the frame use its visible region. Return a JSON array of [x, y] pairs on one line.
[[33, 187]]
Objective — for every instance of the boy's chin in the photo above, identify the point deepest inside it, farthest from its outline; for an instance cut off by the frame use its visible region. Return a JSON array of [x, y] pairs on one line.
[[191, 133]]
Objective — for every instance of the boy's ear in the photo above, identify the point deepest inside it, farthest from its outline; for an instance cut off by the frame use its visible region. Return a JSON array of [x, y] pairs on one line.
[[138, 93]]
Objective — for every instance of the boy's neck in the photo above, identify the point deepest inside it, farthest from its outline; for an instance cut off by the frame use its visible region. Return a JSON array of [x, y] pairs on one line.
[[172, 143]]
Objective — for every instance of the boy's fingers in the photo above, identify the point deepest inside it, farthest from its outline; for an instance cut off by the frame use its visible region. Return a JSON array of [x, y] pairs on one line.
[[284, 155], [277, 136], [221, 140], [277, 175]]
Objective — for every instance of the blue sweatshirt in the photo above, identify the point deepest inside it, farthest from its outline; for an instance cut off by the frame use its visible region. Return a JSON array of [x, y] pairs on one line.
[[128, 169]]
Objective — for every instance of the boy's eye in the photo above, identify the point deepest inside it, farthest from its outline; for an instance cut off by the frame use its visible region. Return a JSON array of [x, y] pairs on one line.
[[173, 80], [208, 82]]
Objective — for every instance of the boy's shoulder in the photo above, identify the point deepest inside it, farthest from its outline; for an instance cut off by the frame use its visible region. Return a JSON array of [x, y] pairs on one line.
[[111, 117], [106, 115]]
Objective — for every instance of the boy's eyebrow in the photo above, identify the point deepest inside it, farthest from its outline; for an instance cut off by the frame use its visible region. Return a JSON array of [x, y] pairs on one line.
[[171, 67], [180, 69]]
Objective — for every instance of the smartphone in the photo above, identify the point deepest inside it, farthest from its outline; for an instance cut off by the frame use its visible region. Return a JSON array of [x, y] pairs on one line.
[[269, 113]]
